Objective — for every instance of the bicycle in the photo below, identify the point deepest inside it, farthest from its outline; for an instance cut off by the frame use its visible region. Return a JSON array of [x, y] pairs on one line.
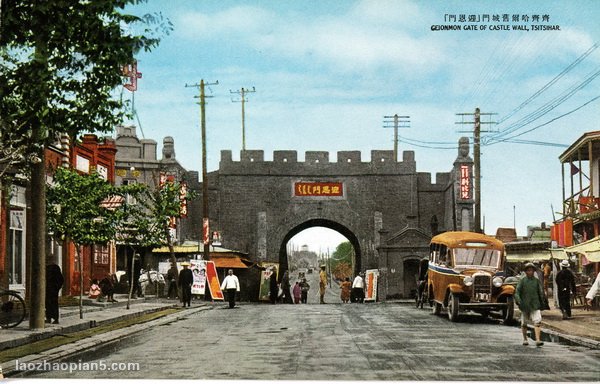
[[12, 308]]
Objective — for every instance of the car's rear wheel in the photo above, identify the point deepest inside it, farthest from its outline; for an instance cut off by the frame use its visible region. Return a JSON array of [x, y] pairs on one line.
[[453, 307]]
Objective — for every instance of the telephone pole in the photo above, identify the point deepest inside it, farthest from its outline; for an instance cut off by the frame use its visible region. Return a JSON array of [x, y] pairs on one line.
[[242, 92], [396, 122], [205, 228], [476, 159]]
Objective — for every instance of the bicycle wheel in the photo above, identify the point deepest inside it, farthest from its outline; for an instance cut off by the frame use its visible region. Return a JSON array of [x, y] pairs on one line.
[[12, 309]]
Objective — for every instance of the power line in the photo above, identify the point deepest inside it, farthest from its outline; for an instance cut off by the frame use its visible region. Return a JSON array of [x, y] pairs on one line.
[[499, 140], [550, 83], [546, 108]]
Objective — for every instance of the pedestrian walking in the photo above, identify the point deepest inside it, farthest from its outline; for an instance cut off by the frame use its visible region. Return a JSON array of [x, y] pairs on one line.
[[230, 285], [529, 297], [358, 288], [547, 276], [322, 284], [304, 288], [286, 287], [565, 284], [186, 279], [589, 297], [54, 282], [172, 275], [297, 292], [273, 286], [345, 286]]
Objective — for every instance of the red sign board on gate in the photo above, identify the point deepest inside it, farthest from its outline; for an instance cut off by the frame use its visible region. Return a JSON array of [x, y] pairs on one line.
[[305, 188]]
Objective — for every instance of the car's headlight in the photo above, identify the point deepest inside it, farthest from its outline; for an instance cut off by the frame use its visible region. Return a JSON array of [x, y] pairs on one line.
[[497, 281], [468, 281]]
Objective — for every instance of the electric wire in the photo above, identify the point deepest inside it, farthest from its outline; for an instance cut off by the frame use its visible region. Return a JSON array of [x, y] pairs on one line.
[[496, 141], [550, 83], [544, 109]]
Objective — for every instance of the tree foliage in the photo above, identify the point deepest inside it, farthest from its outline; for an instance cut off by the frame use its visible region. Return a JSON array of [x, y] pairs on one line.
[[78, 208], [341, 260], [150, 217], [60, 62]]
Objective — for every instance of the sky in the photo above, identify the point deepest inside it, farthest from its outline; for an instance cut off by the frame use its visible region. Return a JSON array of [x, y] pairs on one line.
[[327, 72]]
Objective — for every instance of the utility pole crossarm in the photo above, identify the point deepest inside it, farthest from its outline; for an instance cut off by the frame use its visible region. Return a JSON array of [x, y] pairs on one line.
[[243, 92], [398, 122]]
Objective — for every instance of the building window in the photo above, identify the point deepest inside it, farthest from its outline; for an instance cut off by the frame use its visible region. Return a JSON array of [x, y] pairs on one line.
[[16, 248], [101, 255]]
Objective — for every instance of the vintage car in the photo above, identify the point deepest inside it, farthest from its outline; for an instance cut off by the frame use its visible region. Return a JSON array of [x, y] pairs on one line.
[[466, 273]]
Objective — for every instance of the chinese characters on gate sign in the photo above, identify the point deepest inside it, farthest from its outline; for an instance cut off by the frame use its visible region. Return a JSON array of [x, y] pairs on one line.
[[318, 189], [465, 182]]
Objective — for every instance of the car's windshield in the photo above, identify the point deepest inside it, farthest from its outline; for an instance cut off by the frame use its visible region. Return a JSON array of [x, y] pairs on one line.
[[476, 256]]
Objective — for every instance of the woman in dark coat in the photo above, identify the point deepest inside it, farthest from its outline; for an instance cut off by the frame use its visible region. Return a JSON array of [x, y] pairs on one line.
[[54, 282]]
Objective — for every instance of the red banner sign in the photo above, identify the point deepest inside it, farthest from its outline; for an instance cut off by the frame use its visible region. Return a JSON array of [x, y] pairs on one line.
[[465, 182], [183, 199], [205, 231], [303, 188], [213, 281]]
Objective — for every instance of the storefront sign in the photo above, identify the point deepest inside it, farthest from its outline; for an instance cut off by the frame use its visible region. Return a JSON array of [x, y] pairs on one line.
[[265, 280], [371, 284], [198, 268], [183, 200], [213, 281], [304, 188], [465, 182]]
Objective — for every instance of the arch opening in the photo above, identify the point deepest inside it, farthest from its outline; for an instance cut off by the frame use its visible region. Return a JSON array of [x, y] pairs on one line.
[[284, 251]]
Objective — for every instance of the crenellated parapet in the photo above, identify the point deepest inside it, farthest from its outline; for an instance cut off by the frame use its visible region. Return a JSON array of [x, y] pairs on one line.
[[285, 162]]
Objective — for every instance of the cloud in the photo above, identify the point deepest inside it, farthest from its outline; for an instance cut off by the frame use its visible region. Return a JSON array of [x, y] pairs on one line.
[[369, 37]]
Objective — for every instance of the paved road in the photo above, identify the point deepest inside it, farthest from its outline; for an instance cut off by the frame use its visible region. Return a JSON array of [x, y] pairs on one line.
[[339, 342]]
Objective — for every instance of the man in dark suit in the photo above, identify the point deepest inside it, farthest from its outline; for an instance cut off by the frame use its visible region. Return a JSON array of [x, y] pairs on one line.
[[186, 279]]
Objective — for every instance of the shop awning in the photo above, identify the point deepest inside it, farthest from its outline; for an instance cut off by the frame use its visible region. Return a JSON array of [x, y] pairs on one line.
[[590, 248], [230, 262], [529, 256]]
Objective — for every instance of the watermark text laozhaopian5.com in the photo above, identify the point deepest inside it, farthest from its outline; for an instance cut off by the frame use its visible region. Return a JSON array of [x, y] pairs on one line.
[[79, 366]]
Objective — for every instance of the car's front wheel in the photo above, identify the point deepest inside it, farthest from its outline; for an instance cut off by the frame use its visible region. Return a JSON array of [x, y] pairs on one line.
[[508, 313], [453, 307]]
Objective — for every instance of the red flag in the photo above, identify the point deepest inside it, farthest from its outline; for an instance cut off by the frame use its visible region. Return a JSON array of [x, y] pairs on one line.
[[574, 169]]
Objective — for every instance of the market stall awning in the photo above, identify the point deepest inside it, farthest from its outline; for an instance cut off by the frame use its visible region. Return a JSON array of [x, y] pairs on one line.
[[539, 255], [590, 248], [230, 261]]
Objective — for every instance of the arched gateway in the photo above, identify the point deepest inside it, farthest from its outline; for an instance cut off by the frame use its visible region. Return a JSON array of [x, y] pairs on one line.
[[386, 209]]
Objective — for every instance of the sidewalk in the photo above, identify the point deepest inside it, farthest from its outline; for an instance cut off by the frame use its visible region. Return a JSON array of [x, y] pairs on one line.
[[94, 314], [582, 329]]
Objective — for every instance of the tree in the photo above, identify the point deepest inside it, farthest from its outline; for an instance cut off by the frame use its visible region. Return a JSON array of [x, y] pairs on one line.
[[341, 260], [149, 219], [78, 211], [60, 62]]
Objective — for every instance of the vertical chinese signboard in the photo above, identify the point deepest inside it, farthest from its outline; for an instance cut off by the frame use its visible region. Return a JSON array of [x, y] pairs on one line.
[[465, 182]]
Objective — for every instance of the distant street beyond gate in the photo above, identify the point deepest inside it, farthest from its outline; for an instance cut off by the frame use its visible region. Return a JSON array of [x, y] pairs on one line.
[[338, 342]]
